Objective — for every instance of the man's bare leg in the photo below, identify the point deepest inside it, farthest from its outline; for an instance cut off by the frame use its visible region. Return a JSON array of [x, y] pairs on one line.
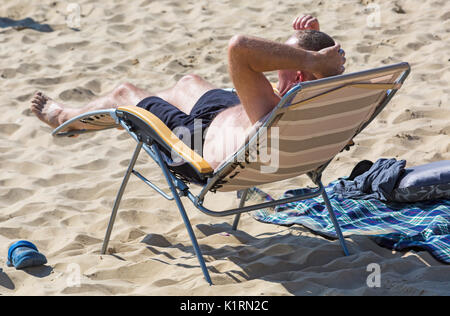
[[55, 114], [186, 92], [183, 95]]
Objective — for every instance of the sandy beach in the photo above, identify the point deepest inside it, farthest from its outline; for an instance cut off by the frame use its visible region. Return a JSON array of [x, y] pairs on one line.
[[58, 193]]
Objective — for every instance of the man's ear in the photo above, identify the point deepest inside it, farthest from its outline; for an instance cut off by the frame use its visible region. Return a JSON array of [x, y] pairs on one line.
[[299, 77]]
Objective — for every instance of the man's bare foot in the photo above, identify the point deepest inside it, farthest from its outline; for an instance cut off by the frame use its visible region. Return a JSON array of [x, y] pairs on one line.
[[47, 110]]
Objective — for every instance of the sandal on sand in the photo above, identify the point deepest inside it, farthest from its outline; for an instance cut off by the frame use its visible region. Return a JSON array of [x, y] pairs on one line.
[[24, 254]]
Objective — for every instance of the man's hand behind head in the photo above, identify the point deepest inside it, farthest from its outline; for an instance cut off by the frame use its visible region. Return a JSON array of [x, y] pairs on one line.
[[329, 62], [306, 22]]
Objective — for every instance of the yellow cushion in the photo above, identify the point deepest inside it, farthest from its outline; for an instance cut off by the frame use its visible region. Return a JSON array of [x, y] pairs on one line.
[[170, 138]]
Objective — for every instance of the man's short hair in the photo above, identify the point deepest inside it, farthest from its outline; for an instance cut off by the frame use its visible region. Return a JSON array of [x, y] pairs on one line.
[[312, 40]]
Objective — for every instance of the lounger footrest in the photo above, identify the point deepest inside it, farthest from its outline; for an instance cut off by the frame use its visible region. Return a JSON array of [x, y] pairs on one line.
[[94, 121]]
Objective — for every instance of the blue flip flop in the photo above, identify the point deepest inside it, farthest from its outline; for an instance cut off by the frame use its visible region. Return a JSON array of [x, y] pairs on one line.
[[24, 254]]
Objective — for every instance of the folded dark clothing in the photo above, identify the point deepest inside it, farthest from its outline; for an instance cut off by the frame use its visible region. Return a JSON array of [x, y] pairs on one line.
[[378, 182], [360, 168], [28, 23]]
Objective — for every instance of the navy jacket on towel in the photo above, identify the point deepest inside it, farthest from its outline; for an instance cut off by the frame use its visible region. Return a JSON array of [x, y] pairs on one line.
[[377, 183]]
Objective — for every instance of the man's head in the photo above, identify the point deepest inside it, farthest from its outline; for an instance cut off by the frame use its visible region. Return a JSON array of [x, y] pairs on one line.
[[308, 40]]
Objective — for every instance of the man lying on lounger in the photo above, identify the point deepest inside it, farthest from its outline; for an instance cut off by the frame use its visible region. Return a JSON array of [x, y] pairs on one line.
[[307, 55]]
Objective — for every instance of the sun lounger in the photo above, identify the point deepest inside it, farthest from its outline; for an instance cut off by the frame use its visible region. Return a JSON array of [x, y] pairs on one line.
[[312, 123]]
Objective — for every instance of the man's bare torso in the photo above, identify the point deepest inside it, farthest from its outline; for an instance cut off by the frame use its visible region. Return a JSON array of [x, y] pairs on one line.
[[226, 134]]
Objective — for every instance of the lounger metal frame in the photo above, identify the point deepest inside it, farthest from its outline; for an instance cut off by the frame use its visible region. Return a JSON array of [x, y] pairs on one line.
[[179, 188]]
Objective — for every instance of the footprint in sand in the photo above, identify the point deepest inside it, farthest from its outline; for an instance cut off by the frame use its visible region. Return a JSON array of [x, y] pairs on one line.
[[15, 195], [8, 129], [77, 94]]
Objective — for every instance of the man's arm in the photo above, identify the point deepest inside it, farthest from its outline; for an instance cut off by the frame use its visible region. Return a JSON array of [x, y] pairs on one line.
[[249, 57], [288, 77]]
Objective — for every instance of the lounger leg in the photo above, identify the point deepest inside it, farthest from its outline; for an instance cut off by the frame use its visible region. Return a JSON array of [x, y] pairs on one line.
[[335, 222], [241, 205], [119, 197], [186, 221]]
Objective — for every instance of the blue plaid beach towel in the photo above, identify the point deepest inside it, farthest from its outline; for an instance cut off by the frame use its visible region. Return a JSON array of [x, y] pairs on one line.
[[397, 226]]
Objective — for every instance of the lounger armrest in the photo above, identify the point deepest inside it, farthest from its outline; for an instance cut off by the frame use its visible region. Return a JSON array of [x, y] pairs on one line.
[[169, 138]]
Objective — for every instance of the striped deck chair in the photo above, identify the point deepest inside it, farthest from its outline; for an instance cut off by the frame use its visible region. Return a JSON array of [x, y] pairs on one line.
[[312, 123]]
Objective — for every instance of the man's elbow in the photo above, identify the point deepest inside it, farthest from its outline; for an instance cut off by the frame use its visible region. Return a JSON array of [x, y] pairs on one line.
[[237, 43]]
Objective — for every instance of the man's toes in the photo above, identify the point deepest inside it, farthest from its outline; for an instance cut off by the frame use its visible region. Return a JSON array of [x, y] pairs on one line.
[[36, 100], [35, 109], [37, 106], [41, 98], [37, 103], [36, 95]]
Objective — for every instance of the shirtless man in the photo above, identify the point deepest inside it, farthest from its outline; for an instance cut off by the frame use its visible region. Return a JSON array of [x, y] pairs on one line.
[[307, 55]]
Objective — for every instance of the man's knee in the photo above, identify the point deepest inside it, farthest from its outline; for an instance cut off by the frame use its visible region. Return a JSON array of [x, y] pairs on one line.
[[189, 80]]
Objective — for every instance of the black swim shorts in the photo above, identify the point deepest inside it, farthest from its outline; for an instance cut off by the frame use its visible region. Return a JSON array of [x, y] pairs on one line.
[[190, 128]]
